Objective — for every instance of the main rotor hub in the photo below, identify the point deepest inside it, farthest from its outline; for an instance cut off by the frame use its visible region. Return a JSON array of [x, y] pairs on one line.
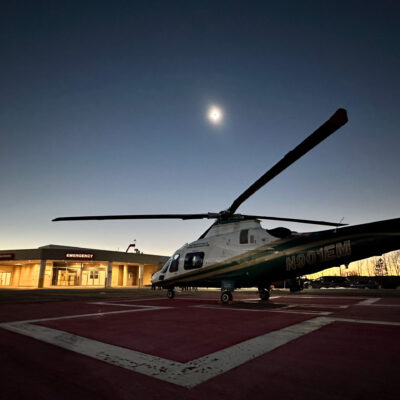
[[226, 215]]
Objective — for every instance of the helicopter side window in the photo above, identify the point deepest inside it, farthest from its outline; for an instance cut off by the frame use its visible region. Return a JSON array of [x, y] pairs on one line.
[[244, 236], [194, 260], [174, 263]]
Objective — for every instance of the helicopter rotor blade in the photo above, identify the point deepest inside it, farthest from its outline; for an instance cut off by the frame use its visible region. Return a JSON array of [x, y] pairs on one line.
[[143, 216], [337, 120], [191, 216], [302, 221]]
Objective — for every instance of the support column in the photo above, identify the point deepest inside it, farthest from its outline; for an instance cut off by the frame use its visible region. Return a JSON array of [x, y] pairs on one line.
[[125, 275], [41, 273], [141, 273], [80, 275], [15, 275], [109, 275]]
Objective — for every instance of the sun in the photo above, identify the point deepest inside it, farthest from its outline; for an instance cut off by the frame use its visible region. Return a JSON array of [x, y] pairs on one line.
[[215, 115]]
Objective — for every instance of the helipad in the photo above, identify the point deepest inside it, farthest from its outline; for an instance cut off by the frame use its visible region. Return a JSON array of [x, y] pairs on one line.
[[302, 346]]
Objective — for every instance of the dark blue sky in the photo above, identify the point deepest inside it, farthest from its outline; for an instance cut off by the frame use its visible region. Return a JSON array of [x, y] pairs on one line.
[[103, 111]]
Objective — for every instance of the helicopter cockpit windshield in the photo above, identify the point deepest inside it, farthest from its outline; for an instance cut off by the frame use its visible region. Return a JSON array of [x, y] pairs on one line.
[[166, 265]]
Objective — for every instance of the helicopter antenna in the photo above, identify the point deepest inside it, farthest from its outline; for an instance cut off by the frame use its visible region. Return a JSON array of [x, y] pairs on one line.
[[339, 224]]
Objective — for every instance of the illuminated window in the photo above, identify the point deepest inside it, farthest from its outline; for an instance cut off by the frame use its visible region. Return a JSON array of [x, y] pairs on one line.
[[5, 278], [94, 275]]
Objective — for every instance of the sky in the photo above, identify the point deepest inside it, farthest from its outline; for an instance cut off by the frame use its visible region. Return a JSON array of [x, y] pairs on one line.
[[103, 110]]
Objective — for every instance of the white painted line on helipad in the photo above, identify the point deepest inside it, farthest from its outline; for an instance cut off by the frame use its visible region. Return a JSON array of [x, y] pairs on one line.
[[142, 299], [193, 299], [372, 302], [325, 297], [364, 321], [187, 374], [380, 305], [285, 309], [182, 298], [307, 305], [106, 303], [120, 356], [161, 299], [318, 306], [215, 299], [368, 302], [99, 314], [258, 299], [214, 364]]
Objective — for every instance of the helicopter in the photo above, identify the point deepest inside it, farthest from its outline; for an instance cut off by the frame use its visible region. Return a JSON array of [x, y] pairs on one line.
[[236, 252]]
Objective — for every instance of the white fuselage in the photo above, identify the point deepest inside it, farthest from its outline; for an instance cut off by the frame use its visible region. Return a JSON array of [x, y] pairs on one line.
[[222, 241]]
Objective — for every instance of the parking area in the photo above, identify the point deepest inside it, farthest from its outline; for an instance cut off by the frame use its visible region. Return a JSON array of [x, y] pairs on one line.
[[297, 346]]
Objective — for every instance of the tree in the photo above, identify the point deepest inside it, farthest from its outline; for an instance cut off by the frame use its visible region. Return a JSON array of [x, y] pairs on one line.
[[380, 267], [392, 260]]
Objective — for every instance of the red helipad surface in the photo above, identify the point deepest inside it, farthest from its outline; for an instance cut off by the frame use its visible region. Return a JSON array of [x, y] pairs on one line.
[[182, 333], [300, 347]]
